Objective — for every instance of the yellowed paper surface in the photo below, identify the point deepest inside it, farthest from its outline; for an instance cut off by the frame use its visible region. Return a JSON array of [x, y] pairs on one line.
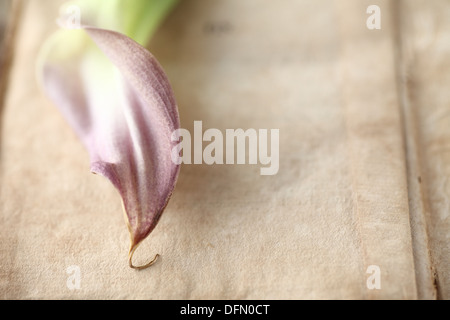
[[346, 201]]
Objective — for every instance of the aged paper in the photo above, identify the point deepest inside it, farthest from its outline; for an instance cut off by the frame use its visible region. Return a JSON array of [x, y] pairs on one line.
[[361, 191]]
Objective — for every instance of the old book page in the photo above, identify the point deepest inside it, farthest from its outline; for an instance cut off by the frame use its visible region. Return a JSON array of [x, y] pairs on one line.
[[358, 210]]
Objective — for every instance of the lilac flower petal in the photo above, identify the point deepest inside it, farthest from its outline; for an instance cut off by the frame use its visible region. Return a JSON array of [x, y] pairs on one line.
[[121, 105]]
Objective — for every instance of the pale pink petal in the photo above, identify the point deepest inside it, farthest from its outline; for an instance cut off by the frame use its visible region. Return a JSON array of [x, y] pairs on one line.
[[125, 115]]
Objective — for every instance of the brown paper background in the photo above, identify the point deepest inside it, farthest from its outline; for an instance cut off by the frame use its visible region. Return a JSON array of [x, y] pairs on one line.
[[362, 115]]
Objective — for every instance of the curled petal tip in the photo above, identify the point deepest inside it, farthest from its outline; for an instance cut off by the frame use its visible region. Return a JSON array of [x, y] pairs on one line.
[[146, 266]]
